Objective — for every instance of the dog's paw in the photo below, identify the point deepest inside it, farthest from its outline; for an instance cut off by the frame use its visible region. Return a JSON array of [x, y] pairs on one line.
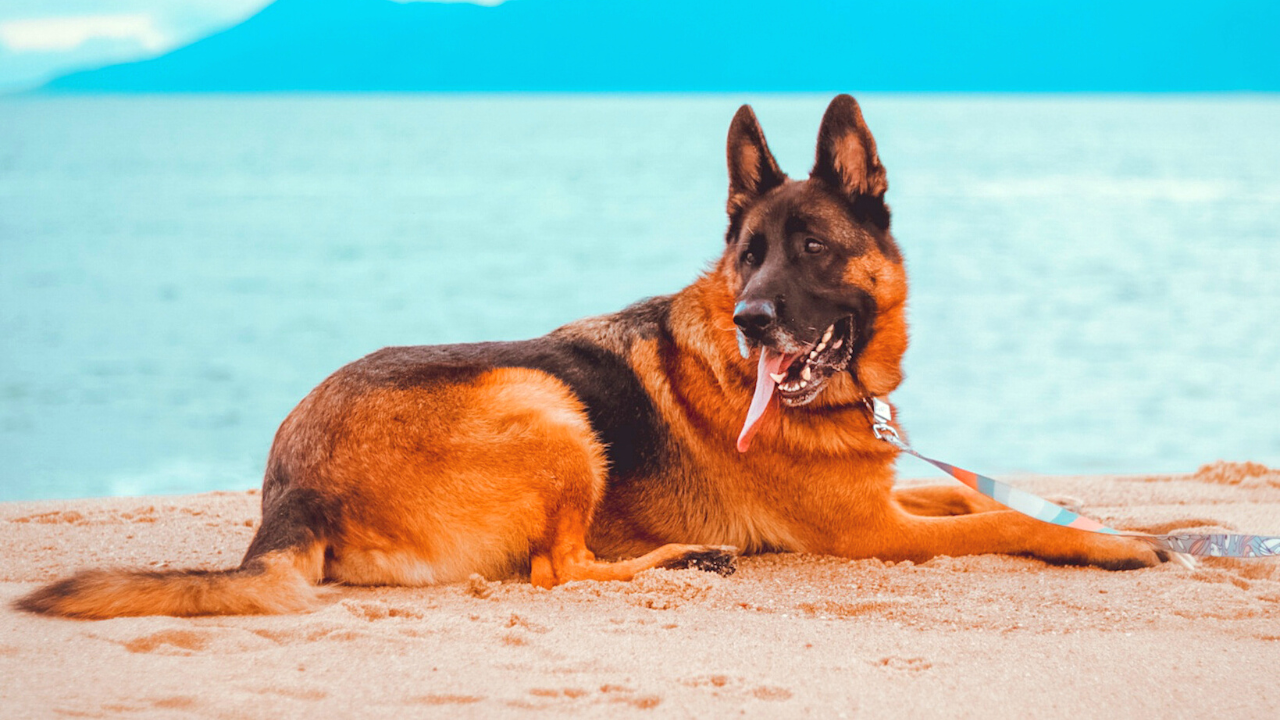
[[1183, 559], [1123, 553], [710, 558]]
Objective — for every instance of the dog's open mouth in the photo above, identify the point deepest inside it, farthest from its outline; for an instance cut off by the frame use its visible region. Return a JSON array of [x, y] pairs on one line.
[[797, 378]]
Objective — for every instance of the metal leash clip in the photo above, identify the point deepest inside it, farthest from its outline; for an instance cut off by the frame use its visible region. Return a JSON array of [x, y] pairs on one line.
[[881, 416]]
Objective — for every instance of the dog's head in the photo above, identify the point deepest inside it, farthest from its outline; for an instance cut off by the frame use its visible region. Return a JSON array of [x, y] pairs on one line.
[[817, 280]]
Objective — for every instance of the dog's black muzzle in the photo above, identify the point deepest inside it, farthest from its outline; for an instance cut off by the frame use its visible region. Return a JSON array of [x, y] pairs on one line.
[[755, 317]]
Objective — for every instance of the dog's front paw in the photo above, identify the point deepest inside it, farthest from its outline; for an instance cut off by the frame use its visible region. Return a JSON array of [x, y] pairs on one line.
[[1124, 553]]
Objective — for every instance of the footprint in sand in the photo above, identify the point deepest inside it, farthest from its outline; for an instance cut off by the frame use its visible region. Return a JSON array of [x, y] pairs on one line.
[[771, 692], [434, 699], [831, 610], [372, 610], [739, 686], [1258, 581], [327, 630], [909, 664], [516, 621], [546, 698], [340, 634], [169, 642], [311, 632], [715, 681], [60, 517], [549, 698], [1188, 524], [177, 702], [140, 515], [643, 702], [626, 696], [1221, 576], [293, 693], [190, 642], [514, 639]]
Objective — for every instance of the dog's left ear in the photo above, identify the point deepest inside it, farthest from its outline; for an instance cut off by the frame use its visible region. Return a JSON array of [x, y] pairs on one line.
[[847, 158], [752, 169]]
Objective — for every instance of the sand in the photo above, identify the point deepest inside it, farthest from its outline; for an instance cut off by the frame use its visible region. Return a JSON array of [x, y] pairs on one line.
[[786, 636]]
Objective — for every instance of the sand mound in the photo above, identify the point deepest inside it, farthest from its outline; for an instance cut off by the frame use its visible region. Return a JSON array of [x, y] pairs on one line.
[[1248, 474]]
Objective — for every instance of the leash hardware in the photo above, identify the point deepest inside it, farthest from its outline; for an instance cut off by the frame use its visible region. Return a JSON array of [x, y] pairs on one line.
[[886, 432], [881, 416]]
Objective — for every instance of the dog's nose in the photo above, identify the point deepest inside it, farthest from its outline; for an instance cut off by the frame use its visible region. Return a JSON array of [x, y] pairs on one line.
[[753, 316]]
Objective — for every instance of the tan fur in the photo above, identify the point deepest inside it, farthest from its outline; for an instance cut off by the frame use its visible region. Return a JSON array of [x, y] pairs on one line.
[[414, 468], [277, 583]]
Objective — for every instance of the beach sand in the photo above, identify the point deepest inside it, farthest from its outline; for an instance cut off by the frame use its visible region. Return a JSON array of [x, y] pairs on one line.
[[786, 636]]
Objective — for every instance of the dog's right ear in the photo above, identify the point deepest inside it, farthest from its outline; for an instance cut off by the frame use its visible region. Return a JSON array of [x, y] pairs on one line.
[[752, 169], [847, 158]]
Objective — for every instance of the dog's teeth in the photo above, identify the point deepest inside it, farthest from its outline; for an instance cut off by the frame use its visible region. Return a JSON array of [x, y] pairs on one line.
[[827, 335], [822, 345], [836, 345], [778, 377], [813, 354], [804, 384], [806, 373]]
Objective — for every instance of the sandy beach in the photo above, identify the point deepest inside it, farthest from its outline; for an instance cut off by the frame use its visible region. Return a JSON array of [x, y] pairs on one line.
[[786, 636]]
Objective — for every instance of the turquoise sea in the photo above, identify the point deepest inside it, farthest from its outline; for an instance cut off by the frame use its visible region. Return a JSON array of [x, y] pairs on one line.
[[1096, 280]]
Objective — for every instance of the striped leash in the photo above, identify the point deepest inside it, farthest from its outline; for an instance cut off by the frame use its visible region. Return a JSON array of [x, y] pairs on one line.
[[1214, 545]]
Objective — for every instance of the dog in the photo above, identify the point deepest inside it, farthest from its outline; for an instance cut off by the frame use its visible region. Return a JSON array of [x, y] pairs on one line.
[[730, 417]]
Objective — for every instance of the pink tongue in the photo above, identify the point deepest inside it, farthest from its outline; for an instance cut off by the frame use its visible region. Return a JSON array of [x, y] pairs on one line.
[[770, 362]]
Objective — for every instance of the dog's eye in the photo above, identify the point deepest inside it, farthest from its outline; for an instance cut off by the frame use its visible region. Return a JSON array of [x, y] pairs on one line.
[[754, 252], [813, 246]]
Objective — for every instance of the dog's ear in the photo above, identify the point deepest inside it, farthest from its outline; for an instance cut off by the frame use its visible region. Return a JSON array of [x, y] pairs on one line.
[[752, 169], [847, 158]]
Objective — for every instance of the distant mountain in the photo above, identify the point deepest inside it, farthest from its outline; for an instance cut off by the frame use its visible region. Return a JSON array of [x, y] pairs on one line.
[[721, 45]]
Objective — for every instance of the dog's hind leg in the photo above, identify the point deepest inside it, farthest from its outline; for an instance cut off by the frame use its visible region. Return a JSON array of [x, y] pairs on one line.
[[534, 442], [568, 558], [562, 555]]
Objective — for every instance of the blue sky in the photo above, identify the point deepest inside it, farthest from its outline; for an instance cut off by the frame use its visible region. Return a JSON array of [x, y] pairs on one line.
[[1227, 46], [43, 38]]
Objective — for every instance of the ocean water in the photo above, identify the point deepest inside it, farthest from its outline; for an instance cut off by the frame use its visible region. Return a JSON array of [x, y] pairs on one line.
[[1095, 280]]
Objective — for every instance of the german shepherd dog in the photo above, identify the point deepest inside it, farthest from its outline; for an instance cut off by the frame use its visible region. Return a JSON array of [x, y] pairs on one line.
[[730, 417]]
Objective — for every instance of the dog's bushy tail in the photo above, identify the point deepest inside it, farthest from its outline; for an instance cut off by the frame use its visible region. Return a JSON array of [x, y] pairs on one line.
[[274, 585], [279, 574]]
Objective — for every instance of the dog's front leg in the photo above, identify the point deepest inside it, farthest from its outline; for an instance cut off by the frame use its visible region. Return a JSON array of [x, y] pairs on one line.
[[899, 535], [941, 500]]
